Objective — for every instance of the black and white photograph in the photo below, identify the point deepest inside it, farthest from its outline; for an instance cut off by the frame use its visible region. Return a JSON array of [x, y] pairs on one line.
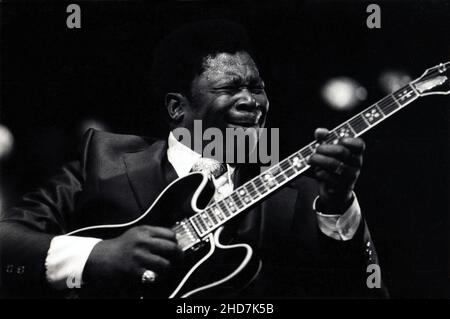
[[224, 151]]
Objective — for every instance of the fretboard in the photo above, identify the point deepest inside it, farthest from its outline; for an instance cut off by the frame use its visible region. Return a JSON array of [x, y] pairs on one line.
[[258, 188]]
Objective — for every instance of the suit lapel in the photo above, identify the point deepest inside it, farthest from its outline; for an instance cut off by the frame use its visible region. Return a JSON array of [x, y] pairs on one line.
[[276, 213], [149, 172]]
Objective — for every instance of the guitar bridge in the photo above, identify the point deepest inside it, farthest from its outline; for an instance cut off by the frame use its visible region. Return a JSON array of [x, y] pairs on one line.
[[186, 235]]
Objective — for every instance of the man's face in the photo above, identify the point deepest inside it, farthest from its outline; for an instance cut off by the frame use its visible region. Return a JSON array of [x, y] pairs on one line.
[[229, 93]]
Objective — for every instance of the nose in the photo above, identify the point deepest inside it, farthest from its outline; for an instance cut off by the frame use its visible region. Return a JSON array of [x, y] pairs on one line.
[[246, 101]]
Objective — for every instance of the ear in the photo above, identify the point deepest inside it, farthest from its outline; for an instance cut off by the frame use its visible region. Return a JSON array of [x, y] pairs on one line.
[[175, 105]]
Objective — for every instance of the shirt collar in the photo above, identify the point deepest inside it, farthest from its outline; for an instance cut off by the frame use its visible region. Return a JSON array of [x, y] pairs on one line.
[[180, 156], [183, 158]]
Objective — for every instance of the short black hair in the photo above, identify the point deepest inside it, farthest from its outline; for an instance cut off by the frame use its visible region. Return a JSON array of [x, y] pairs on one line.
[[179, 57]]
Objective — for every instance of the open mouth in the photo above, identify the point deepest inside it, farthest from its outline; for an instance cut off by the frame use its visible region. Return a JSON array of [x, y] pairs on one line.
[[245, 121]]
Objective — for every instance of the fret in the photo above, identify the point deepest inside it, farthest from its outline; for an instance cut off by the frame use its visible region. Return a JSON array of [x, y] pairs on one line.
[[289, 172], [313, 146], [396, 101], [251, 189], [297, 161], [280, 178], [259, 183], [345, 130], [277, 173], [388, 105], [269, 180], [218, 212], [306, 152], [379, 110], [284, 165], [223, 208], [194, 224], [211, 215], [207, 220], [287, 168], [405, 95], [244, 195], [332, 138], [358, 123], [198, 222], [228, 201], [237, 200], [372, 114]]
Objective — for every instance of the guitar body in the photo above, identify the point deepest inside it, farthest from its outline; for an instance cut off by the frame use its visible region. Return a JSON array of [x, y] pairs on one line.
[[210, 267]]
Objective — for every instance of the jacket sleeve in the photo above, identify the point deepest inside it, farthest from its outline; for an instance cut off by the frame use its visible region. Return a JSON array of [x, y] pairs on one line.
[[27, 229]]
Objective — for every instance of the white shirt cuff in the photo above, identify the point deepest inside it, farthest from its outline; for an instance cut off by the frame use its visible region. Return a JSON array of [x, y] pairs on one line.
[[66, 259], [340, 227]]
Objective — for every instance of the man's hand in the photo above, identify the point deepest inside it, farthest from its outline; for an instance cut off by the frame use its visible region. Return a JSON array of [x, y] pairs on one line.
[[336, 167], [121, 261]]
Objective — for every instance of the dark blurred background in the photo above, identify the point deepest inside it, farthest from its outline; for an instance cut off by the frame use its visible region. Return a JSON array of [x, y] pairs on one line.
[[321, 64]]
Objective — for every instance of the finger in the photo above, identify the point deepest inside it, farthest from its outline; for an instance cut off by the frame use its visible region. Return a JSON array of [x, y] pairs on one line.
[[153, 262], [160, 232], [330, 165], [165, 248], [340, 152], [321, 133], [356, 145], [330, 179], [325, 162]]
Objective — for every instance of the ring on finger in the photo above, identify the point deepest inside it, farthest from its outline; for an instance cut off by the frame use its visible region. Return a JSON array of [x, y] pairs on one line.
[[148, 276]]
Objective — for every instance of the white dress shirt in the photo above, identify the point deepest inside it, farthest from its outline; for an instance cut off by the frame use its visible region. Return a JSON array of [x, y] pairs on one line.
[[67, 255]]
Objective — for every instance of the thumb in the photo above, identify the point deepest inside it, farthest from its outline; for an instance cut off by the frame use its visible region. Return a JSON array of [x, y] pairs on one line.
[[321, 133]]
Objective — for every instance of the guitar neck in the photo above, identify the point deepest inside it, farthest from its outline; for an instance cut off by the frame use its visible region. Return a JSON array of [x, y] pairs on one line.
[[255, 190]]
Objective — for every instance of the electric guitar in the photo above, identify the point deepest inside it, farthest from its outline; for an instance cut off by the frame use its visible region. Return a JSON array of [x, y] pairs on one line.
[[199, 225]]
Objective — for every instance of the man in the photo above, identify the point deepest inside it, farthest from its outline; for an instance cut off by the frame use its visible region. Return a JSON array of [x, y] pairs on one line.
[[311, 235]]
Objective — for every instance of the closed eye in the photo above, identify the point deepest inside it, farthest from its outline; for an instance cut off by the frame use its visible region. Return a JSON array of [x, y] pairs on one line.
[[226, 88], [257, 88]]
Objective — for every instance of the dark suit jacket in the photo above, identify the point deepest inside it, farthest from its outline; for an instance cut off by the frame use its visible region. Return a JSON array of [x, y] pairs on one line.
[[118, 176]]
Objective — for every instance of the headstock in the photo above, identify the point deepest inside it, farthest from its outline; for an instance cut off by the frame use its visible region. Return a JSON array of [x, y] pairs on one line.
[[435, 80]]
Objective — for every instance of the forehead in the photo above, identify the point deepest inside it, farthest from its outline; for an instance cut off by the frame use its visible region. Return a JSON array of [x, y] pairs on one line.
[[226, 65]]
